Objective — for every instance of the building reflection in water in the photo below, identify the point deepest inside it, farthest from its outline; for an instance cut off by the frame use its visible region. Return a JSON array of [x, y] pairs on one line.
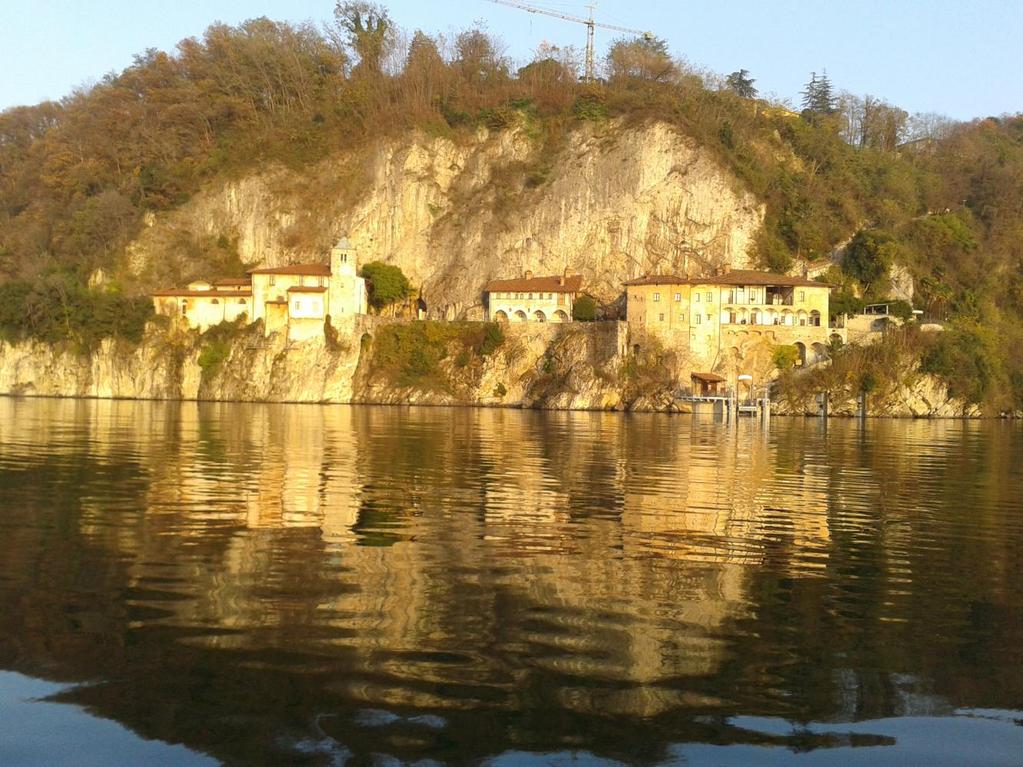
[[588, 564]]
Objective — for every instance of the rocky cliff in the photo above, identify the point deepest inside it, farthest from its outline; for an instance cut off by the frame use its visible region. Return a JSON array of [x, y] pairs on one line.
[[539, 366], [579, 366], [607, 202]]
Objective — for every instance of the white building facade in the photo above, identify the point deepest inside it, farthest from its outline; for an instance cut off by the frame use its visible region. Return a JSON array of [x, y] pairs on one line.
[[532, 299]]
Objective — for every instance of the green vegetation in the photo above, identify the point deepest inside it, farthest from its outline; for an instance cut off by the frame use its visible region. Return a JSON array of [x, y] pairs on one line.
[[584, 309], [387, 284], [869, 257], [217, 343], [57, 308], [413, 354], [971, 360], [785, 357]]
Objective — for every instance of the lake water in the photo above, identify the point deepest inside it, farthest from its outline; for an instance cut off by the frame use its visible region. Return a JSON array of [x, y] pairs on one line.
[[247, 584]]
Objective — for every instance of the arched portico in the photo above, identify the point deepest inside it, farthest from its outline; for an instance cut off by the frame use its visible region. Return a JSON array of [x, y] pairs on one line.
[[539, 316], [520, 316], [500, 316], [559, 316]]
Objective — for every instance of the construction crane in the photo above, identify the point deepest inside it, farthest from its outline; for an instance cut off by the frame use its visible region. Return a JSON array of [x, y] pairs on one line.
[[591, 26]]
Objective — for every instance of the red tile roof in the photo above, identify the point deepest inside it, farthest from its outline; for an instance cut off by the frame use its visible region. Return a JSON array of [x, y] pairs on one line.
[[657, 279], [708, 377], [202, 293], [306, 270], [553, 284], [306, 289], [751, 277], [735, 277]]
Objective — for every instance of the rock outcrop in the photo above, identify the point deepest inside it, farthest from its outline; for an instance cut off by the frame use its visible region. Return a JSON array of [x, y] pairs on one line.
[[609, 203], [576, 366]]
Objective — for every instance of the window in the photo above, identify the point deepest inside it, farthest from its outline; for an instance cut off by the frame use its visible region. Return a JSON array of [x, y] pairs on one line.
[[710, 298], [530, 296], [550, 296], [273, 280], [298, 305], [678, 297], [657, 297], [698, 318], [660, 317], [752, 296], [802, 295], [697, 297]]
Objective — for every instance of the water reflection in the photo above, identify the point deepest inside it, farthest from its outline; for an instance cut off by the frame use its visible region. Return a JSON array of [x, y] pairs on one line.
[[318, 584]]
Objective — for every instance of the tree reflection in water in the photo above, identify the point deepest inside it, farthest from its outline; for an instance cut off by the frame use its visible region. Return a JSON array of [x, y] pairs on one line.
[[273, 584]]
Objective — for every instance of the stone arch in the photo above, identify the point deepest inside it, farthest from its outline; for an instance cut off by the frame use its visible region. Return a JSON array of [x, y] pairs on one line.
[[756, 318], [559, 316], [787, 318], [770, 317], [801, 348], [500, 316], [520, 316], [216, 302], [815, 318], [820, 352], [802, 318], [539, 316], [835, 339]]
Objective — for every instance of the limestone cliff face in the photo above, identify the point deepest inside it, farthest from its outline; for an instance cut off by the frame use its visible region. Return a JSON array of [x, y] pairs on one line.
[[916, 395], [609, 203], [540, 366], [577, 366]]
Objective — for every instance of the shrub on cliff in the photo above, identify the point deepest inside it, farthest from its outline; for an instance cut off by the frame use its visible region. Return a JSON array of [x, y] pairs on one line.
[[411, 354], [57, 309], [387, 284], [584, 309], [785, 357]]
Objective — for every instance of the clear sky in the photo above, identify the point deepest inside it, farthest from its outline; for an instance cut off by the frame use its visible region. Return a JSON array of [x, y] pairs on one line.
[[963, 58]]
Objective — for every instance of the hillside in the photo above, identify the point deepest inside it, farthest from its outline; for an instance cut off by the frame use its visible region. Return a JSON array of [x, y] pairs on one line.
[[261, 143]]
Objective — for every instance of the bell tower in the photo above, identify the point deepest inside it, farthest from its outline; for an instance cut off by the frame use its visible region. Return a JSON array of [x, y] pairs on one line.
[[347, 296], [343, 259]]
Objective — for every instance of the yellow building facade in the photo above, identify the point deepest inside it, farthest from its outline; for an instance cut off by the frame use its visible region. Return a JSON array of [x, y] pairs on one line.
[[718, 321], [297, 298]]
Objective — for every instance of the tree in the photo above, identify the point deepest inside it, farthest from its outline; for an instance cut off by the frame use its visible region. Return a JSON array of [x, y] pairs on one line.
[[478, 58], [869, 257], [785, 357], [741, 84], [819, 96], [387, 284], [883, 125], [645, 58], [584, 309], [366, 27]]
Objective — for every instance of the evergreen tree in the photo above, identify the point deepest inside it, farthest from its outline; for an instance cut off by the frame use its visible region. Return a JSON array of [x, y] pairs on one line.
[[819, 96], [741, 84]]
